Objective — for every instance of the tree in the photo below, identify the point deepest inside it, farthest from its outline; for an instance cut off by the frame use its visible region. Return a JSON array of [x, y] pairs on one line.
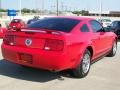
[[77, 12], [25, 10], [84, 13], [33, 11], [3, 10]]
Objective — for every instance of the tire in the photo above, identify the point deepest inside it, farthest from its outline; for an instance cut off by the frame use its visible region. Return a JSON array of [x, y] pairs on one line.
[[23, 66], [113, 50], [82, 69]]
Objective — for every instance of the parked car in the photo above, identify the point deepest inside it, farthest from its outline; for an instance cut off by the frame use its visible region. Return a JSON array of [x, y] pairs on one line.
[[36, 18], [115, 27], [105, 22], [60, 43], [2, 31], [16, 24]]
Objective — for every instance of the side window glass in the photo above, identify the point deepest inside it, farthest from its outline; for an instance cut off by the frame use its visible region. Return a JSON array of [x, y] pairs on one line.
[[96, 26], [114, 24], [118, 25], [84, 28]]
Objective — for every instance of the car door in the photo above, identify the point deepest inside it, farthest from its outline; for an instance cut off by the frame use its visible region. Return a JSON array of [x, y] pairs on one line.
[[99, 39]]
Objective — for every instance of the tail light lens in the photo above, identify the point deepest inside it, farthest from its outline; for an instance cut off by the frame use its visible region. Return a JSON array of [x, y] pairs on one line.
[[54, 45], [1, 30], [19, 26], [9, 40]]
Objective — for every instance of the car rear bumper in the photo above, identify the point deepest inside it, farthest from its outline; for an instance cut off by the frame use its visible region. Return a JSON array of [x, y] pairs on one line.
[[49, 60], [2, 35]]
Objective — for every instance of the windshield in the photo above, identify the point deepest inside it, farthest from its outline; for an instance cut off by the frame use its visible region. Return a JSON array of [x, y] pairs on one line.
[[15, 21], [59, 24], [104, 20]]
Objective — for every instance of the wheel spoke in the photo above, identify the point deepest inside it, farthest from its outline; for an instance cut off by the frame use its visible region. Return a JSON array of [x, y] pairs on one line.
[[86, 63], [114, 48]]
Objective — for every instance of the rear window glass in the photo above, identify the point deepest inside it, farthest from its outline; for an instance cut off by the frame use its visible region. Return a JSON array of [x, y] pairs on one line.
[[58, 24], [15, 21], [104, 20]]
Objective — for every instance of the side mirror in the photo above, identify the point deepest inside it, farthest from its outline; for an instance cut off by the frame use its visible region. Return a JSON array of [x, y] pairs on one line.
[[0, 25]]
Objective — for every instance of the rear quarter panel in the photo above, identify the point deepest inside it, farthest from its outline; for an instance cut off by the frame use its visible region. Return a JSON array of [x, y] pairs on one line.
[[76, 43]]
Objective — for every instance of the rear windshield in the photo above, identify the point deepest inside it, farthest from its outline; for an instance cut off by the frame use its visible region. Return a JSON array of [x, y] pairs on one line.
[[15, 21], [104, 20], [58, 24], [115, 24]]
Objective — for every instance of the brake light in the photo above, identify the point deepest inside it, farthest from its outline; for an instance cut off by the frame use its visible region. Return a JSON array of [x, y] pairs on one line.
[[1, 30], [19, 26], [9, 40], [54, 45]]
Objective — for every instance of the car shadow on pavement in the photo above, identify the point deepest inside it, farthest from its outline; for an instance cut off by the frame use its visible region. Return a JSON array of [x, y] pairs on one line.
[[118, 40], [29, 74]]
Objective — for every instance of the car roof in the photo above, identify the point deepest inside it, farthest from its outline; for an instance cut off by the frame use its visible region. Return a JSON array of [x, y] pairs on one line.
[[17, 19], [116, 21], [74, 17]]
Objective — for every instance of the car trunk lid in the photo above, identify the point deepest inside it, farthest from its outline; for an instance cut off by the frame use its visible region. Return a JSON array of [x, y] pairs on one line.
[[36, 38]]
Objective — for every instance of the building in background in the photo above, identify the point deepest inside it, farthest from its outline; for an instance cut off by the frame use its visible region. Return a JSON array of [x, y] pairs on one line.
[[105, 13]]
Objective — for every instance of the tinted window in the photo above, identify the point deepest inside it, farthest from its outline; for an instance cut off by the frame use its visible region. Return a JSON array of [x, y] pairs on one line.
[[84, 28], [96, 26], [118, 24], [59, 24], [115, 24]]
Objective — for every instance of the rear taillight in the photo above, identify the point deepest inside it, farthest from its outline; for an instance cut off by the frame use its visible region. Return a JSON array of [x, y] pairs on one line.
[[1, 30], [54, 45], [19, 26], [9, 40]]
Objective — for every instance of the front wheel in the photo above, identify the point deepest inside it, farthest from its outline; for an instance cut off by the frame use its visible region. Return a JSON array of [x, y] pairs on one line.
[[84, 66], [113, 50]]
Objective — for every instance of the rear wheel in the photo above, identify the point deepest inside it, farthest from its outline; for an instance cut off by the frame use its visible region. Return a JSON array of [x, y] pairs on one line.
[[113, 50], [84, 66]]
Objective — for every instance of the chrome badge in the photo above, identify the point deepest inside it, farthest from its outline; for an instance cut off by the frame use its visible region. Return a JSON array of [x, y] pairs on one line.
[[28, 42]]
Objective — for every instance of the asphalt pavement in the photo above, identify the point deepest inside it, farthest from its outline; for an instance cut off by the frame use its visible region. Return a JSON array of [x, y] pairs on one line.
[[103, 75]]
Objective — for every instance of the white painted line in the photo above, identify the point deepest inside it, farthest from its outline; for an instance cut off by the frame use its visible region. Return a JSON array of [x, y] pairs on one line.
[[118, 43]]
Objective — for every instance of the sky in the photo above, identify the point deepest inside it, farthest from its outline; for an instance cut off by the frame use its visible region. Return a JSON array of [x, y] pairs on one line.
[[91, 5]]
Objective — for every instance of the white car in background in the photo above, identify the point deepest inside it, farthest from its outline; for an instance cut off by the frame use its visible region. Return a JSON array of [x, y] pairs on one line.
[[105, 22]]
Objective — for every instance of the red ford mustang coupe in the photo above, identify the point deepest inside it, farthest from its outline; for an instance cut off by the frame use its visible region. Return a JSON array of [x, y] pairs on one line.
[[16, 24], [2, 32], [60, 43]]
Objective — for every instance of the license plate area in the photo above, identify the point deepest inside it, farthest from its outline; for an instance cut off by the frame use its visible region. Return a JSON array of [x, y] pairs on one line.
[[25, 58]]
